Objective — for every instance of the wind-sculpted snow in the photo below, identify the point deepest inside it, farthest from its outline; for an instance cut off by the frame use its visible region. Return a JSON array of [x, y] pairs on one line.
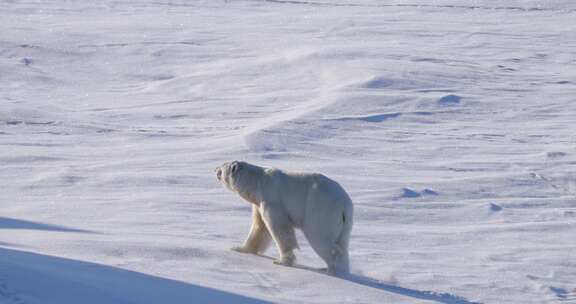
[[450, 123], [36, 278]]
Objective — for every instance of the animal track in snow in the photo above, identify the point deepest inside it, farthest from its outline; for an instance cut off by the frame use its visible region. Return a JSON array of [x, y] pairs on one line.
[[450, 100], [410, 193], [495, 208]]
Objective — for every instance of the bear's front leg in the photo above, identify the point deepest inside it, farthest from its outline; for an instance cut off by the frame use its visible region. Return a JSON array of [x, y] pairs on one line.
[[282, 231], [259, 238]]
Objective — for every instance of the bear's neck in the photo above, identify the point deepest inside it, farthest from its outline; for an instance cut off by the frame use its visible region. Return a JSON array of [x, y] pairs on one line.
[[250, 198], [248, 187]]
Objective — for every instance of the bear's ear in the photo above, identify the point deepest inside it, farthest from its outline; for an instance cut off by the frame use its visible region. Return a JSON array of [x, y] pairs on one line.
[[236, 166]]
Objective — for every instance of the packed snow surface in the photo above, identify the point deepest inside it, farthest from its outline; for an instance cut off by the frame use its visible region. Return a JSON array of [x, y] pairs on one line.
[[451, 123]]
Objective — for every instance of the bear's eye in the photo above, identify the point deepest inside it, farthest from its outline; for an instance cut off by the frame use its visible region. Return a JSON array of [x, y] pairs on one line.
[[236, 167]]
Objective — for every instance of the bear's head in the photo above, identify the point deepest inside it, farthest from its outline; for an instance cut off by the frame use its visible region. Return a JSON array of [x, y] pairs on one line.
[[228, 173], [240, 177]]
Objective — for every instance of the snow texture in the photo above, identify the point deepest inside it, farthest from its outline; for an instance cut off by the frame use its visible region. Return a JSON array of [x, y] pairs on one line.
[[450, 122]]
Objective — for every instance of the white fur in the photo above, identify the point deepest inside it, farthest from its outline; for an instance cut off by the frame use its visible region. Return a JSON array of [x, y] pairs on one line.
[[284, 201]]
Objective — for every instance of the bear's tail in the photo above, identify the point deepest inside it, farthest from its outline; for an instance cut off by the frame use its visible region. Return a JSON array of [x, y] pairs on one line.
[[342, 259]]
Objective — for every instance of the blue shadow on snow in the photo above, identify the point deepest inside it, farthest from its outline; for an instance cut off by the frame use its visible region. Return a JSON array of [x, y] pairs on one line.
[[440, 297], [27, 275], [9, 223]]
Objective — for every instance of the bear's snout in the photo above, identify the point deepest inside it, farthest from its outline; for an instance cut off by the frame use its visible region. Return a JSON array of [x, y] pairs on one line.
[[219, 173]]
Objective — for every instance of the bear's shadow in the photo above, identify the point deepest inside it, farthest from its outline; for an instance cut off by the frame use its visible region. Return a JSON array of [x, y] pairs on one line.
[[439, 297]]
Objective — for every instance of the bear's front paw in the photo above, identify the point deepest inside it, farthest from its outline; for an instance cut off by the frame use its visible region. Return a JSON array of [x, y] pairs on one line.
[[243, 249], [239, 249]]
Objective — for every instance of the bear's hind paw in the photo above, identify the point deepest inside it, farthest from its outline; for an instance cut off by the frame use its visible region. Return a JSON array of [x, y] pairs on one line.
[[278, 262], [285, 261]]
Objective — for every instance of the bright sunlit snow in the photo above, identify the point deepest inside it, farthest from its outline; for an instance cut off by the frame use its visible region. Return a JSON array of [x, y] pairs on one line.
[[451, 123]]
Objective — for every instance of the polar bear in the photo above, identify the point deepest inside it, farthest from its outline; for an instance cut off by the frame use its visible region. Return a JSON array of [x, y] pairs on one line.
[[282, 201]]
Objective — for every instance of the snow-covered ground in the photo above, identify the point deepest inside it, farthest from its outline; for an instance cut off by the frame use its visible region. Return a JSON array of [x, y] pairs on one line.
[[451, 123]]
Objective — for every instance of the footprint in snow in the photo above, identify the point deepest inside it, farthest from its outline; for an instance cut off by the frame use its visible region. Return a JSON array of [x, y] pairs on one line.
[[449, 100], [495, 208], [26, 61], [563, 294], [429, 192], [409, 193], [556, 154]]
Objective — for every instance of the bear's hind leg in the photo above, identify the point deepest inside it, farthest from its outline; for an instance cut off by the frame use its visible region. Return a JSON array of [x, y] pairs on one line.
[[339, 261], [282, 232], [259, 238], [324, 242], [335, 257]]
